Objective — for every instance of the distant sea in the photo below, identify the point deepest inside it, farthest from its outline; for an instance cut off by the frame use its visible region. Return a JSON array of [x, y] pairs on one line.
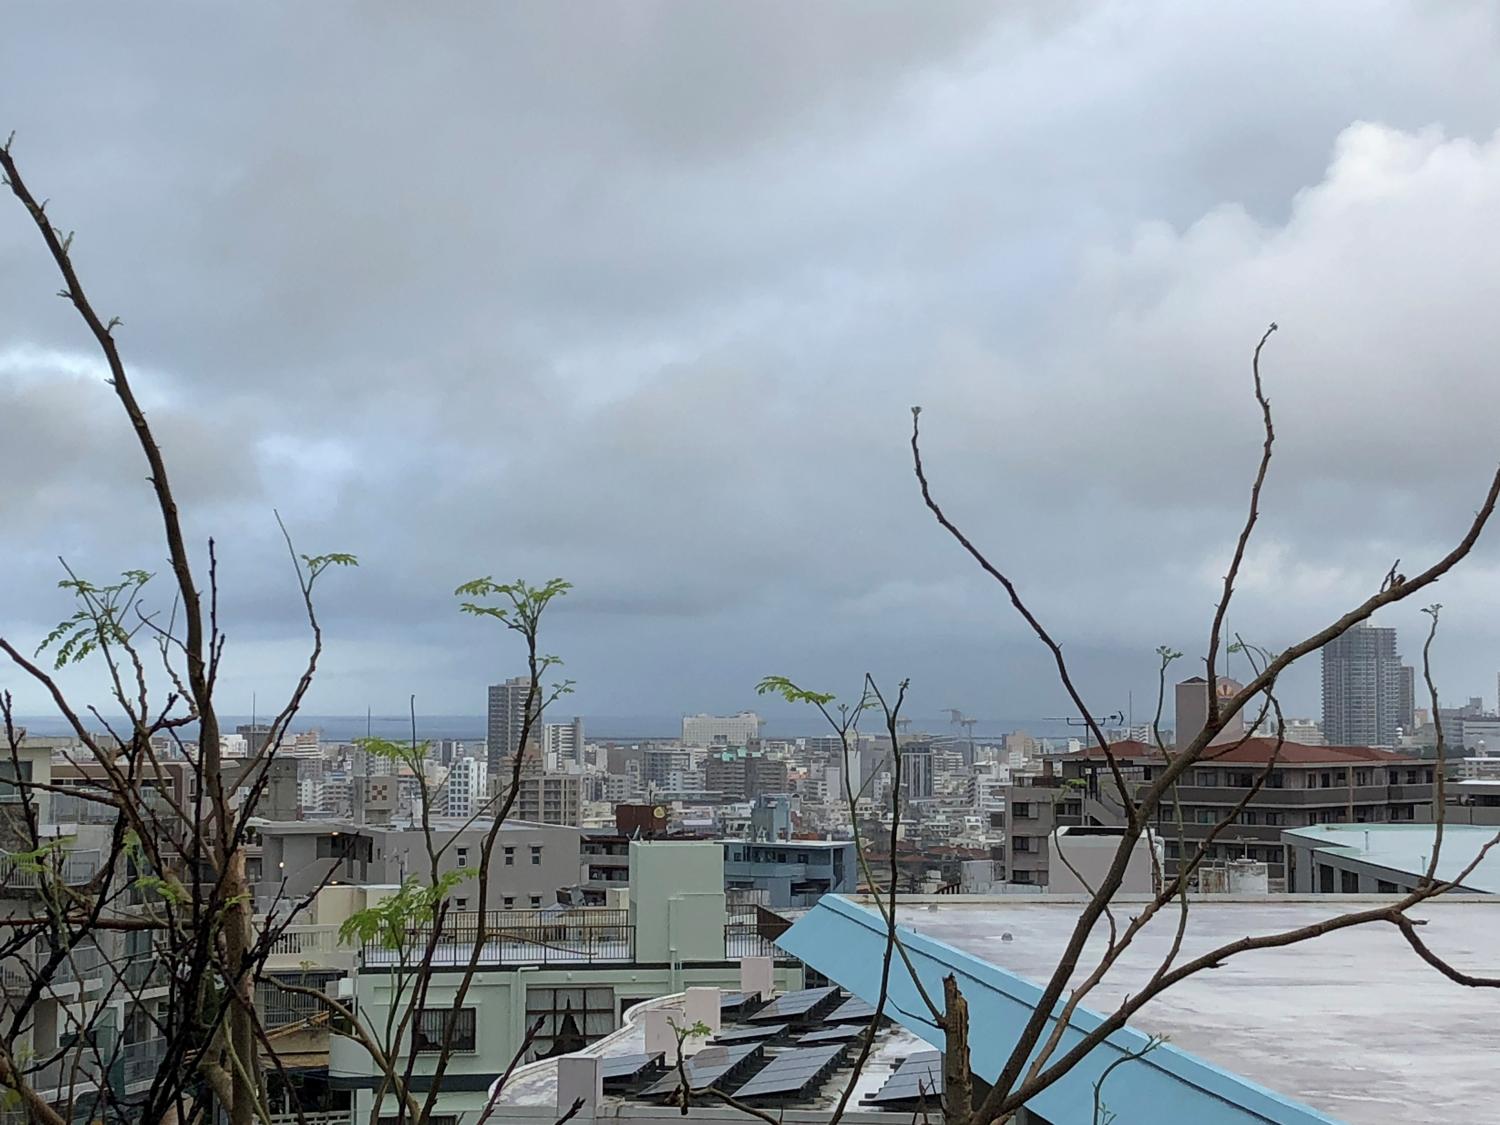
[[597, 728]]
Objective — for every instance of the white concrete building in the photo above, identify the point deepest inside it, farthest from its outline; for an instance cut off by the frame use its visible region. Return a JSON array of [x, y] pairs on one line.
[[731, 730], [468, 785]]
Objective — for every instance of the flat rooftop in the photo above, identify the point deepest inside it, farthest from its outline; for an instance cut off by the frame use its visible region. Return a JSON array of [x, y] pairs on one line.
[[1351, 1023], [535, 1085], [1408, 848]]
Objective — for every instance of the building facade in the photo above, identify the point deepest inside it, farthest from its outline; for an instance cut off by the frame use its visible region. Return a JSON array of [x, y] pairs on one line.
[[1362, 687], [1307, 785], [791, 872], [729, 730], [507, 718], [1191, 700]]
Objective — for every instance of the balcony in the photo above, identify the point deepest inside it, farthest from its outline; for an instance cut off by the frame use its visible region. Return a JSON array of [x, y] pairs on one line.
[[140, 1061], [70, 868], [314, 946]]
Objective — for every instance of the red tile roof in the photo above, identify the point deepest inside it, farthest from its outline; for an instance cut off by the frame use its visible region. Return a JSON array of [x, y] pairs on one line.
[[1260, 750]]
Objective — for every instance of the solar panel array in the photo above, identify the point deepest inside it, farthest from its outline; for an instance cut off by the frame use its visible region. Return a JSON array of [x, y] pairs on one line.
[[844, 1034], [919, 1076], [792, 1073], [796, 1005], [752, 1033], [851, 1010], [708, 1067], [624, 1069]]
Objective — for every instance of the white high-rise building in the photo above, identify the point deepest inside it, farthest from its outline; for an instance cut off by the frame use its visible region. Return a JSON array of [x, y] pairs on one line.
[[728, 730], [468, 785], [562, 743]]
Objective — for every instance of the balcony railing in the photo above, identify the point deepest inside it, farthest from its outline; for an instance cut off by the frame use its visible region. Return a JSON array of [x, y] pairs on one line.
[[516, 937], [71, 868], [144, 972], [68, 809], [140, 1061]]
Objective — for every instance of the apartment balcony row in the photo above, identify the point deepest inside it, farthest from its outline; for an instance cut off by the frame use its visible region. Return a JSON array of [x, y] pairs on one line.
[[68, 809], [71, 868], [81, 965], [130, 1067]]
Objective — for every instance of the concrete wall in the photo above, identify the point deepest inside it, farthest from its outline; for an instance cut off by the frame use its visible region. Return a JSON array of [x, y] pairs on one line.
[[1090, 857], [688, 874]]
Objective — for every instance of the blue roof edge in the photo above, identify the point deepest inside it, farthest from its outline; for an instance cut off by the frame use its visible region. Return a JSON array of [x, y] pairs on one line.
[[845, 942]]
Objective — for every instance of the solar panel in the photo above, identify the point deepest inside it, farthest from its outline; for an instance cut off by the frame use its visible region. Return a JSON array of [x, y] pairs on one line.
[[792, 1073], [707, 1068], [624, 1069], [794, 1005], [753, 1033], [832, 1035], [919, 1077], [851, 1010]]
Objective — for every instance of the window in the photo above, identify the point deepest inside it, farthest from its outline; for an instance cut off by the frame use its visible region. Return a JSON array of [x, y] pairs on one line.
[[436, 1028], [9, 776], [536, 855], [510, 857], [1325, 879], [536, 902], [461, 904], [1349, 882], [1384, 887], [571, 1018], [1023, 810], [1208, 816], [463, 856], [1020, 844], [1274, 818], [508, 902]]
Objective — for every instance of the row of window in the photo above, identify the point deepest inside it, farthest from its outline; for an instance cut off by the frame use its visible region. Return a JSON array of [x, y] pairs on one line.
[[507, 902], [508, 854]]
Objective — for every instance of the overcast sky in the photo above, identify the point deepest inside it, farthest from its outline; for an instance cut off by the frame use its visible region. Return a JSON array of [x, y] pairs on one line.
[[640, 295]]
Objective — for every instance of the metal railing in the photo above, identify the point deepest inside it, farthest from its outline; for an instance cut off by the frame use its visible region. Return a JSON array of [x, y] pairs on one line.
[[299, 941], [69, 809], [525, 937], [144, 971], [71, 868], [140, 1061]]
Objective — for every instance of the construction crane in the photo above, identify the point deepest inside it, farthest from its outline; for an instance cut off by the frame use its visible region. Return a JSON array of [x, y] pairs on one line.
[[959, 719]]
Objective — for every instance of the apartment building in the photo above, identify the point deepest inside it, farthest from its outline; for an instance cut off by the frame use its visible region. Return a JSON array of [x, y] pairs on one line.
[[1306, 785], [576, 971], [726, 730], [88, 975], [530, 864], [738, 774], [791, 872]]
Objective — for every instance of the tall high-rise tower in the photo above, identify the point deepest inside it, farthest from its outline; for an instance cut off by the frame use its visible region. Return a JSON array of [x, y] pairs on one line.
[[1362, 688], [507, 718]]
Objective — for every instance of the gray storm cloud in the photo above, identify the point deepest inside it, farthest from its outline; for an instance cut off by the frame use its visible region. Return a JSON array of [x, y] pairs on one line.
[[643, 300]]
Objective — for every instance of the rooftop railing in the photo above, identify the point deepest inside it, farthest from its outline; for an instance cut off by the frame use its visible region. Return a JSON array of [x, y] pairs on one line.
[[515, 937]]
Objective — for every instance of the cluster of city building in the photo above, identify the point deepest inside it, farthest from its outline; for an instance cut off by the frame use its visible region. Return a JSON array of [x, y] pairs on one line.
[[630, 872]]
